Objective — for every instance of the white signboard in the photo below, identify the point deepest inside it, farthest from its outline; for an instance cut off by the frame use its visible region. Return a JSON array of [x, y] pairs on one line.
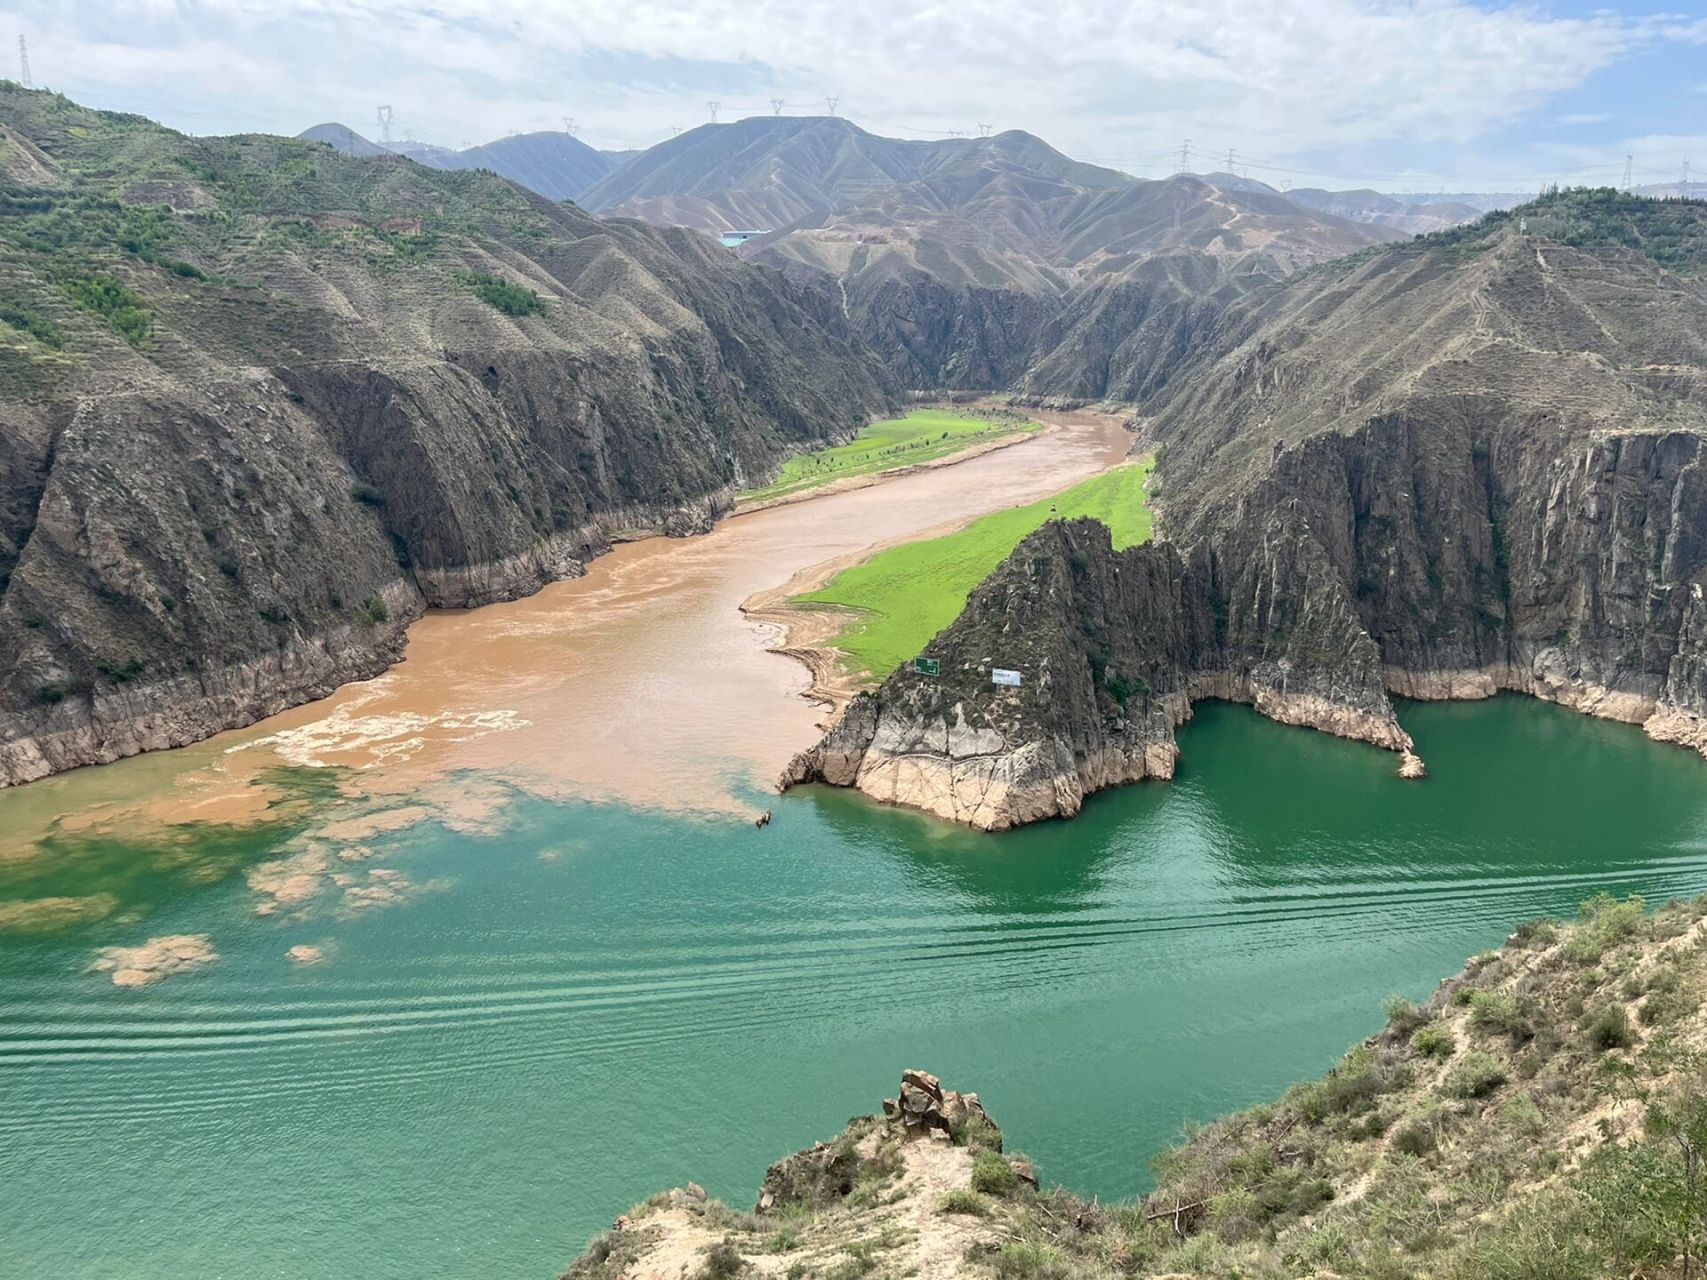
[[1000, 675]]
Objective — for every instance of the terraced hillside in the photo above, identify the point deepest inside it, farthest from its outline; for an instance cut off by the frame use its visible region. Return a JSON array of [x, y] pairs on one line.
[[261, 402]]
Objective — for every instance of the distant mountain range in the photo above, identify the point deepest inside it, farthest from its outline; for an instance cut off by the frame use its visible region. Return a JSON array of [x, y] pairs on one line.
[[555, 165], [971, 263]]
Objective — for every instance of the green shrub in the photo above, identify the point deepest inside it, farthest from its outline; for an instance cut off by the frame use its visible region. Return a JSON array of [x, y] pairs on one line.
[[723, 1261], [119, 672], [1503, 1012], [1521, 1113], [1031, 1260], [1414, 1140], [976, 1131], [1476, 1075], [1542, 1240], [511, 299], [993, 1174], [963, 1200], [1536, 933], [1434, 1041], [113, 302], [41, 329], [1610, 1029], [373, 612], [1404, 1015]]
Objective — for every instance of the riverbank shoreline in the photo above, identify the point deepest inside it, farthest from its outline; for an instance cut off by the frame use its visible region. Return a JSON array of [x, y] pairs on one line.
[[848, 484]]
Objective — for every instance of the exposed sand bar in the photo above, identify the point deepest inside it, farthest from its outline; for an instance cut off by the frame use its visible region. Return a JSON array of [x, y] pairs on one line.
[[641, 681]]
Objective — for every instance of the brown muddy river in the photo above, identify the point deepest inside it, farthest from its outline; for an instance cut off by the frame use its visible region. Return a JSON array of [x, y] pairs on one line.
[[641, 681]]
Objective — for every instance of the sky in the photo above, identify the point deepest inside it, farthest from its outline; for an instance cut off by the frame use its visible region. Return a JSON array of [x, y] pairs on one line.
[[1419, 95]]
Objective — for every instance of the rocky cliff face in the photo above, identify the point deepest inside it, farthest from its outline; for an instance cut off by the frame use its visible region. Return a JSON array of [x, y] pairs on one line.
[[1111, 647], [249, 434], [1443, 470]]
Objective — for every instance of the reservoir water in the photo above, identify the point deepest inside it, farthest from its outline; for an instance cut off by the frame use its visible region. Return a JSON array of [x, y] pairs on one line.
[[585, 1003], [527, 994]]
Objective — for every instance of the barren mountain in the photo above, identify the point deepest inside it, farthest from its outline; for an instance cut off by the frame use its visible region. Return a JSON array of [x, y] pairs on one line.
[[261, 402], [767, 172], [553, 164], [990, 263], [1412, 217]]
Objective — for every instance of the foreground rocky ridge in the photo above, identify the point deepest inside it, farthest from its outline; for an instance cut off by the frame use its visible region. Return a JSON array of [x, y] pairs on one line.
[[261, 403], [1539, 1115], [1442, 470]]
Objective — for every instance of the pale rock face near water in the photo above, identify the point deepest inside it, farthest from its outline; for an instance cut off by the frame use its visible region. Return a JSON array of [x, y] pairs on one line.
[[1438, 474]]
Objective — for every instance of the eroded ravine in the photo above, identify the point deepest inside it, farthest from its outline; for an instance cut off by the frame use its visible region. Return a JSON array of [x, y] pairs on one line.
[[641, 681]]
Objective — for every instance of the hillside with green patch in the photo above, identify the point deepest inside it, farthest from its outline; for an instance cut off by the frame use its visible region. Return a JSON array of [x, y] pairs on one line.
[[906, 594], [261, 402], [924, 435], [1540, 1116]]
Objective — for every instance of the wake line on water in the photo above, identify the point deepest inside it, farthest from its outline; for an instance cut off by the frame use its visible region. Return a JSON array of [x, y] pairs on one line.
[[988, 939], [59, 1041]]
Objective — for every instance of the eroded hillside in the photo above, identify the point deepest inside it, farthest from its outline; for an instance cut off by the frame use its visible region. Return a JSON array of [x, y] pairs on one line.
[[1443, 469], [262, 402]]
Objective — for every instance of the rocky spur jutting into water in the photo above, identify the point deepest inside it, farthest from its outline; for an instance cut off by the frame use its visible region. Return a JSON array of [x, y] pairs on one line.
[[1441, 470]]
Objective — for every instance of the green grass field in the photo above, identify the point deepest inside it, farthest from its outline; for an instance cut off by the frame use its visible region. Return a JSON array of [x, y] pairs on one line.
[[924, 434], [909, 593]]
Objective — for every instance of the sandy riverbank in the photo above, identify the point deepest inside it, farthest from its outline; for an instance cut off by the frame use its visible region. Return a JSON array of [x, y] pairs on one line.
[[641, 682]]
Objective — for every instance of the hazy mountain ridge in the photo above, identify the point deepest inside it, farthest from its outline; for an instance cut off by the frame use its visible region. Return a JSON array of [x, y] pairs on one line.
[[556, 165]]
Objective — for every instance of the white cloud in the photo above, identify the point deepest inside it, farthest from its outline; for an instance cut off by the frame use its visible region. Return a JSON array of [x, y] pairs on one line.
[[1099, 78]]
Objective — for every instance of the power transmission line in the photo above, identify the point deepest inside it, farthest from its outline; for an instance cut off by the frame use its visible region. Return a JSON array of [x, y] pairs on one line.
[[1185, 156], [1629, 160], [984, 130], [24, 63], [713, 106], [385, 127], [569, 125], [777, 104], [831, 103]]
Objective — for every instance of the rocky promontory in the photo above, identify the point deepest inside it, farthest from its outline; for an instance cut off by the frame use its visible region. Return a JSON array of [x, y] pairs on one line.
[[1539, 1114], [1441, 470], [1111, 648]]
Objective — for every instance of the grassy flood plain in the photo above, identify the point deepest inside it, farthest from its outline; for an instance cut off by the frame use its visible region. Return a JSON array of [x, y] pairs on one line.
[[906, 594], [924, 435]]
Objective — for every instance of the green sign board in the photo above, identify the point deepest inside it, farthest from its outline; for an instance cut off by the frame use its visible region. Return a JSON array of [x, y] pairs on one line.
[[926, 667]]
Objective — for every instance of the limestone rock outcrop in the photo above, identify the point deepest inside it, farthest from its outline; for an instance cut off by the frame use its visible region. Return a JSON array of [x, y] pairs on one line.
[[1444, 470], [924, 1109]]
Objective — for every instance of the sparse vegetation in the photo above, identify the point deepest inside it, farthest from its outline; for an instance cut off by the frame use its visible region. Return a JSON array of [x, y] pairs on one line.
[[1489, 1131], [511, 299]]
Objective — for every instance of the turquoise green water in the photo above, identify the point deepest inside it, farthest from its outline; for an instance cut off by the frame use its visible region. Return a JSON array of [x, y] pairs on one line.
[[484, 1074]]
